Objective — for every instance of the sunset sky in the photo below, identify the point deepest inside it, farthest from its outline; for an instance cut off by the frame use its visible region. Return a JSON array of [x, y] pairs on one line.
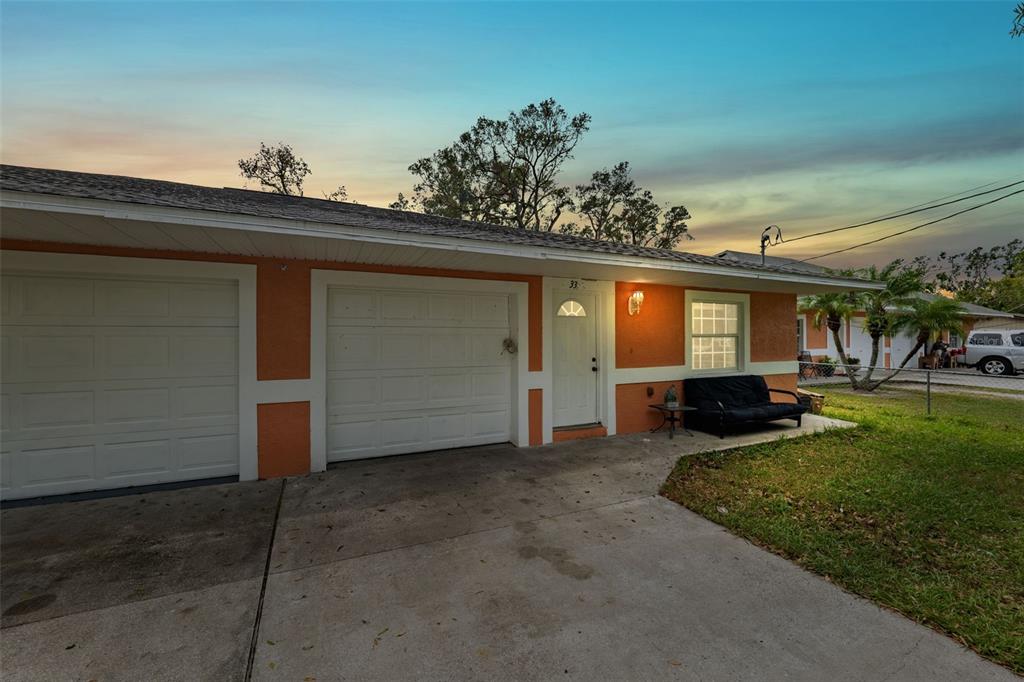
[[807, 115]]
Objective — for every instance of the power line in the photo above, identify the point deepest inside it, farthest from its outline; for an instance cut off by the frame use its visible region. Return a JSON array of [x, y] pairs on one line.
[[905, 213], [916, 227], [949, 196]]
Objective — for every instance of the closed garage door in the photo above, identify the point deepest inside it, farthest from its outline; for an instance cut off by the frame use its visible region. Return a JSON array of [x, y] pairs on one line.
[[111, 382], [409, 371]]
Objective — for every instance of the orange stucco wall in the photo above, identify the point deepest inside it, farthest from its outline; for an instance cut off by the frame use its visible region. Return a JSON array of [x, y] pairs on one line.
[[816, 338], [282, 321], [632, 414], [655, 337], [785, 382], [535, 399], [282, 439], [772, 327], [562, 435]]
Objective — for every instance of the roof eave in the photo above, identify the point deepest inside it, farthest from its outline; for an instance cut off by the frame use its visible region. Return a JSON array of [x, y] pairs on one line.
[[123, 210]]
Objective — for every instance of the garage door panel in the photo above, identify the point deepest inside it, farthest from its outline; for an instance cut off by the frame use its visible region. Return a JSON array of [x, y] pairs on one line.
[[133, 299], [112, 301], [93, 353], [352, 349], [61, 465], [54, 466], [140, 457], [214, 452], [134, 405], [357, 306], [405, 347], [214, 402], [132, 382], [46, 297], [209, 303], [53, 410], [488, 424], [367, 391], [377, 435], [133, 354]]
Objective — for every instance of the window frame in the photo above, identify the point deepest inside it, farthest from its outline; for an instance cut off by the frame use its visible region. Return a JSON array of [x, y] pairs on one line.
[[742, 301]]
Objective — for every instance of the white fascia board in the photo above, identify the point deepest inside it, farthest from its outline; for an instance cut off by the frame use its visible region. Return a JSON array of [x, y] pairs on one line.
[[213, 219]]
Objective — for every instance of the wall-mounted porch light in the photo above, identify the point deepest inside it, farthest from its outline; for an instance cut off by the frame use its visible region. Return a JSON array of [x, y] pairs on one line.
[[636, 299]]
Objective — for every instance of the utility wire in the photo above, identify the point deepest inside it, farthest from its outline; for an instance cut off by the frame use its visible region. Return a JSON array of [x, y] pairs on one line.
[[905, 213], [916, 227], [949, 196]]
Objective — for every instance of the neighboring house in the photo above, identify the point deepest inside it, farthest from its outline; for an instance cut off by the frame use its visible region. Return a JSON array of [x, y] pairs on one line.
[[157, 332], [856, 339]]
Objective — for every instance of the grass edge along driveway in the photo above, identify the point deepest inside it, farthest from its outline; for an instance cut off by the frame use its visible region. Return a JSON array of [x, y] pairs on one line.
[[922, 515]]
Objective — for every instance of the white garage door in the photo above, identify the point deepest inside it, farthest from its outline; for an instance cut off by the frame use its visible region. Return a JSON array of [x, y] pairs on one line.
[[112, 382], [409, 371]]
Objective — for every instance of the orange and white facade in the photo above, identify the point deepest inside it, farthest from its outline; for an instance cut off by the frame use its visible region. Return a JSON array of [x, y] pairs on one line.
[[148, 344]]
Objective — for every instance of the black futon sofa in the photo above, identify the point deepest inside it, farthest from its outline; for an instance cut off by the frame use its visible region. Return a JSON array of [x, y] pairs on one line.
[[730, 400]]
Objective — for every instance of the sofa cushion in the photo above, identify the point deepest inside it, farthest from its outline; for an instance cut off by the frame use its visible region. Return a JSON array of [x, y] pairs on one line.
[[731, 391], [766, 412]]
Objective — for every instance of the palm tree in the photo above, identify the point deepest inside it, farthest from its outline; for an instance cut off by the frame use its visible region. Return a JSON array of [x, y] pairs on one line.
[[929, 319], [881, 305], [831, 310]]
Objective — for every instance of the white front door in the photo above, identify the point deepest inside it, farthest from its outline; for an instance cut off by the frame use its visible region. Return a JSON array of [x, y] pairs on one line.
[[575, 359]]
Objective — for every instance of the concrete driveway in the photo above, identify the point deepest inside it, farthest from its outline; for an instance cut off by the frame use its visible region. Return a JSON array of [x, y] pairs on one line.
[[490, 562]]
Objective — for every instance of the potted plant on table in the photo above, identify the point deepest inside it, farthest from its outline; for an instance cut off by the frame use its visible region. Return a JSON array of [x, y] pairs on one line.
[[827, 366]]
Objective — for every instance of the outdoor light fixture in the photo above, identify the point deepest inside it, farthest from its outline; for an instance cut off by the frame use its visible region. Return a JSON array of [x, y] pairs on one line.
[[636, 299]]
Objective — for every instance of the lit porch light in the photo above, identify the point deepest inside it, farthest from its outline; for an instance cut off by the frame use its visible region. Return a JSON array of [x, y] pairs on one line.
[[636, 299]]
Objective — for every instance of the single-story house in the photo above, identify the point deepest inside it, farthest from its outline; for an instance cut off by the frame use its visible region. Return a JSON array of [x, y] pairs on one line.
[[156, 332], [856, 339]]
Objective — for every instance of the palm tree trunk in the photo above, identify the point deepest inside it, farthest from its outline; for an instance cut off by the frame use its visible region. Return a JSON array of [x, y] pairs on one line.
[[841, 352], [912, 353], [865, 381]]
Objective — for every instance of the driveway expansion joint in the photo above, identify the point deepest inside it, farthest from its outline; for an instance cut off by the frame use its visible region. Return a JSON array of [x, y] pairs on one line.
[[263, 586]]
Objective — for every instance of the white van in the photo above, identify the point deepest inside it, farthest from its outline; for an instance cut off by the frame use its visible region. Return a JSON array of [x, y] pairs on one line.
[[996, 351]]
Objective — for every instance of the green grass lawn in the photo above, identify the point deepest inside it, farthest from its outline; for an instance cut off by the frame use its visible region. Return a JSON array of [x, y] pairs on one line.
[[924, 515]]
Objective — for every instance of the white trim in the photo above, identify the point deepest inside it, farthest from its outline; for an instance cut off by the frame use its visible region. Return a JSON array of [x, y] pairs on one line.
[[774, 367], [213, 219], [650, 375], [320, 280], [721, 297], [284, 391], [244, 275], [646, 375], [547, 383]]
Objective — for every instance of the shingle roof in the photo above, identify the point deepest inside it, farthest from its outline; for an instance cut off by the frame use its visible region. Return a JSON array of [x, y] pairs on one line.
[[776, 261], [268, 205], [972, 309]]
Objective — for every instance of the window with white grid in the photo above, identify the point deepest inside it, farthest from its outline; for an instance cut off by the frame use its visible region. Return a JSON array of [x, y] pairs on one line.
[[715, 335]]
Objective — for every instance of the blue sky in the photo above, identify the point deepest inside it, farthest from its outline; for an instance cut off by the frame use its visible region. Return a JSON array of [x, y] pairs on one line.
[[808, 115]]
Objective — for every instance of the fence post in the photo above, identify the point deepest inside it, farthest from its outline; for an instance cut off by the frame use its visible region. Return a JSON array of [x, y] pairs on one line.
[[928, 390]]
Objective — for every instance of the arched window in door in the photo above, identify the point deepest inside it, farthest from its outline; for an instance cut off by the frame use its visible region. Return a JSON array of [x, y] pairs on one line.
[[572, 308]]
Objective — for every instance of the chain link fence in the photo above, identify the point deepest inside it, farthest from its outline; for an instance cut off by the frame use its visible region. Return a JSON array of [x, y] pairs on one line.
[[927, 382]]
